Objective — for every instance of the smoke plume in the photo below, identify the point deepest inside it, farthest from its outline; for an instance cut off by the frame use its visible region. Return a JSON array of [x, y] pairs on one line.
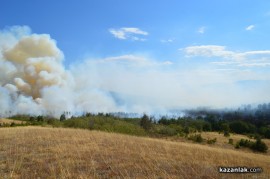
[[34, 80]]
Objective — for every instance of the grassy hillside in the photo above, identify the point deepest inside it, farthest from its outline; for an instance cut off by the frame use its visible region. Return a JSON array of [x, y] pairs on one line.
[[4, 121], [32, 152]]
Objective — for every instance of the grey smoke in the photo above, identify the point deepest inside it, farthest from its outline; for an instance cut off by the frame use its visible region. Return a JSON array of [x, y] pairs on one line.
[[34, 80]]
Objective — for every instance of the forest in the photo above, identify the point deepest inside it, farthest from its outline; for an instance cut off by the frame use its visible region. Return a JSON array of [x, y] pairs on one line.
[[253, 122]]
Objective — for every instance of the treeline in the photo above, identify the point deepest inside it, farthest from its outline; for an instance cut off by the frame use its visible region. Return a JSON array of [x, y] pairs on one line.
[[253, 122], [245, 120]]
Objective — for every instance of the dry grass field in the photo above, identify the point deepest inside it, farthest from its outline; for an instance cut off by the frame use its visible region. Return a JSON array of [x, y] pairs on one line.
[[223, 141], [40, 152], [9, 121]]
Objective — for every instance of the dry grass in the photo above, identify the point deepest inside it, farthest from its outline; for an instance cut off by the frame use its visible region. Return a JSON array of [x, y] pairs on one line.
[[33, 152], [9, 121], [223, 141]]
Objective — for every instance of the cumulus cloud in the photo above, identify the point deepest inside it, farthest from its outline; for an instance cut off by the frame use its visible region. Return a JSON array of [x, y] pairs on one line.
[[250, 27], [208, 51], [130, 33], [33, 80]]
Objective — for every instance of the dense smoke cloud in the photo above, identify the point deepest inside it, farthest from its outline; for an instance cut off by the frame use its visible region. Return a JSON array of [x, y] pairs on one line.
[[33, 80]]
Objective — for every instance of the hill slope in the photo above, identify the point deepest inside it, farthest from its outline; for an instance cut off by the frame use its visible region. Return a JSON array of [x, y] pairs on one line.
[[32, 152]]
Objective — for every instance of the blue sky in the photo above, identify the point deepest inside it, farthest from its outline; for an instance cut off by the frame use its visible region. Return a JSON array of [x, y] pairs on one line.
[[196, 49], [82, 28]]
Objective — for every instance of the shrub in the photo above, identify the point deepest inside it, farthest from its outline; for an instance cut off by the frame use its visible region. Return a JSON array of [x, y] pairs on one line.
[[40, 118], [91, 124], [245, 143], [259, 146], [31, 118], [237, 146], [231, 141], [226, 134], [54, 122], [186, 130], [196, 138], [168, 131], [211, 141], [207, 126]]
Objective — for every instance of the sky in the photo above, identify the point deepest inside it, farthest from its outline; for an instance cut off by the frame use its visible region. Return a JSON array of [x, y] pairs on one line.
[[168, 54]]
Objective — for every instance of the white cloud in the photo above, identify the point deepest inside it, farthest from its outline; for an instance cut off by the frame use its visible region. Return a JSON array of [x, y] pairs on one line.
[[167, 63], [259, 58], [201, 30], [138, 39], [250, 27], [134, 30], [254, 64], [208, 51], [130, 33], [258, 52], [133, 60], [125, 58], [167, 41], [118, 33]]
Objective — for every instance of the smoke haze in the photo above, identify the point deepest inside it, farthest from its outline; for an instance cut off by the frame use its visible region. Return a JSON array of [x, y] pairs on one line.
[[34, 80]]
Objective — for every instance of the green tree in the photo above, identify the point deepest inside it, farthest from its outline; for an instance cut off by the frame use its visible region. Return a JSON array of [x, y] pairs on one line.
[[239, 127], [146, 122], [207, 126], [225, 127], [63, 117], [40, 118]]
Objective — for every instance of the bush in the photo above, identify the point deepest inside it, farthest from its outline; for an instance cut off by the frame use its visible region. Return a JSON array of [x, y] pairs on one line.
[[196, 138], [12, 124], [245, 143], [259, 146], [40, 118], [226, 134], [91, 124], [54, 122], [230, 141], [237, 146], [31, 118], [211, 141], [165, 130], [265, 131], [207, 126], [105, 123], [186, 130]]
